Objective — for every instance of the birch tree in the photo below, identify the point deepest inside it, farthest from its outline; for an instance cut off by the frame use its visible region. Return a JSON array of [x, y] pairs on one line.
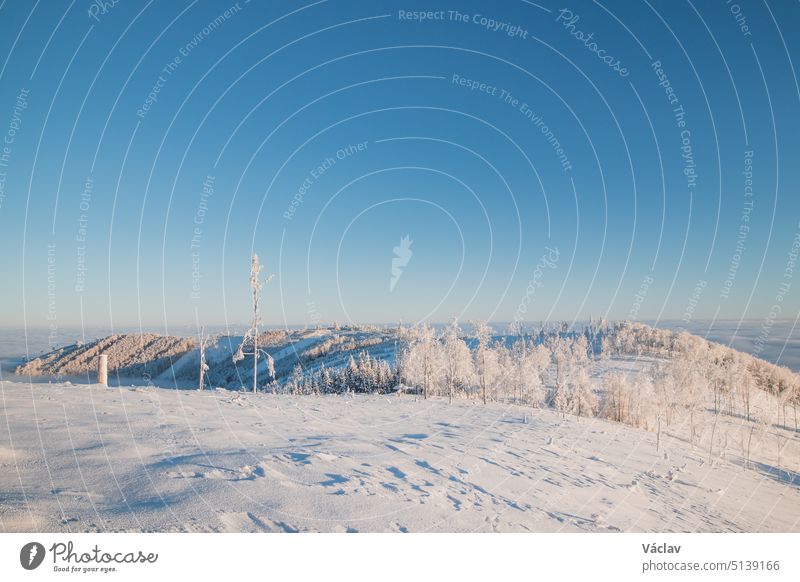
[[582, 402], [485, 357], [457, 359], [423, 362]]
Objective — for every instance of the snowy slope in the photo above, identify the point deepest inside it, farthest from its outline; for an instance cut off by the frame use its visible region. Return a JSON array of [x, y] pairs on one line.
[[86, 458], [174, 361]]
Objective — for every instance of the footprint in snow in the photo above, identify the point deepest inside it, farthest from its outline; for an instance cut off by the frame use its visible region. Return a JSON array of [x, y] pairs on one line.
[[183, 474]]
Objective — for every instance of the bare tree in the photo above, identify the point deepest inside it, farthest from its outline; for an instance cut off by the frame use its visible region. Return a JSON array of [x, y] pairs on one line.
[[205, 341], [252, 334]]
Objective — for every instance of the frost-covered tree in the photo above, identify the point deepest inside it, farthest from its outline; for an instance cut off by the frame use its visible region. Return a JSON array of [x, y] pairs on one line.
[[204, 341], [503, 385], [402, 339], [583, 400], [573, 391], [521, 370], [641, 404], [485, 357], [326, 380], [563, 357], [537, 362], [422, 361], [351, 379], [295, 383], [252, 334], [689, 381], [629, 400], [625, 339], [457, 359], [615, 400], [517, 367], [666, 392], [794, 399]]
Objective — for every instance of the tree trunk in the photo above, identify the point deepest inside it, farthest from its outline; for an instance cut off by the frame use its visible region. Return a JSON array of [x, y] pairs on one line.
[[425, 377], [255, 361], [202, 358], [483, 377], [747, 404], [711, 446], [658, 434]]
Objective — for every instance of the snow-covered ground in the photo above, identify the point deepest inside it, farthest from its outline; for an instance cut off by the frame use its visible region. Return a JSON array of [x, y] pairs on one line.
[[86, 458]]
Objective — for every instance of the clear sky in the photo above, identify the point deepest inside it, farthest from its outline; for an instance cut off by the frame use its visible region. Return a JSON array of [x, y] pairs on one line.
[[618, 159]]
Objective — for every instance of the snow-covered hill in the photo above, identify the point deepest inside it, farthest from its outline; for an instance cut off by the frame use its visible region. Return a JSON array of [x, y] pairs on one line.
[[174, 361], [87, 458], [625, 428]]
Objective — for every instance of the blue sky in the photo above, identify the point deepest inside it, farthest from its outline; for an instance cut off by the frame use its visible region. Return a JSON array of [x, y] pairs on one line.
[[379, 125]]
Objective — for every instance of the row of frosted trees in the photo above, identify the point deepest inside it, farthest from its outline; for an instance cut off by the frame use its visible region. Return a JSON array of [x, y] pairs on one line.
[[690, 371], [444, 364], [681, 375], [447, 364], [363, 374]]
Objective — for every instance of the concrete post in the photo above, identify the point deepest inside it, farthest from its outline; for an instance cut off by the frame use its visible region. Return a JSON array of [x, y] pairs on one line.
[[102, 370]]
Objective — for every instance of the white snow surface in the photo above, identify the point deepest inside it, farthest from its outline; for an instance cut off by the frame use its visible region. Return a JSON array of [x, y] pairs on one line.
[[84, 458]]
